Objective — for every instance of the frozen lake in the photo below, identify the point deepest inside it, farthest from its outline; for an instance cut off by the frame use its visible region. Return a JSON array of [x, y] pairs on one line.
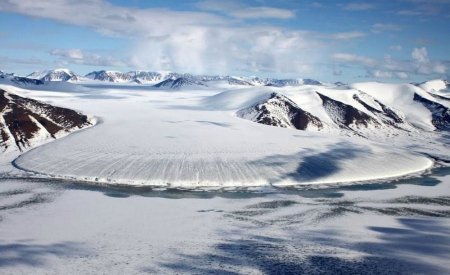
[[403, 227]]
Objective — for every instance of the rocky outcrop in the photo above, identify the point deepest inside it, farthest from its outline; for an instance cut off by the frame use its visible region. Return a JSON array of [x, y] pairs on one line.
[[280, 111], [439, 113], [346, 116], [386, 114], [174, 83], [24, 121]]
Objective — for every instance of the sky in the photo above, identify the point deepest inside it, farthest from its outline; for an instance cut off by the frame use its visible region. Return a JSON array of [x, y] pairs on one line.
[[349, 41]]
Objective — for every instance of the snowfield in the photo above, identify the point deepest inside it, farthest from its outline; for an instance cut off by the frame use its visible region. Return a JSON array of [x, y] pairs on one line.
[[193, 137], [60, 227], [214, 166]]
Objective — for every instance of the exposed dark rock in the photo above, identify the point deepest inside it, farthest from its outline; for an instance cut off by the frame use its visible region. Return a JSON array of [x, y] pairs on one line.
[[345, 115], [235, 81], [440, 97], [26, 81], [54, 75], [280, 111], [110, 76], [23, 118], [440, 115], [386, 114], [177, 83]]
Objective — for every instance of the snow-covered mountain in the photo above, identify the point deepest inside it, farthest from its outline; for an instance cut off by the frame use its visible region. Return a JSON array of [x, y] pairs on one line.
[[291, 82], [110, 76], [435, 85], [438, 87], [55, 75], [164, 79], [12, 79], [362, 110], [140, 77], [278, 110], [25, 122], [256, 81], [179, 82], [143, 77]]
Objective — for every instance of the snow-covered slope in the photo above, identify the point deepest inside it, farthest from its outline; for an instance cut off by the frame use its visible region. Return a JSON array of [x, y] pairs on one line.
[[370, 109], [256, 81], [278, 110], [179, 82], [436, 85], [109, 76], [405, 98], [26, 122], [139, 77], [164, 79], [291, 82], [143, 77], [12, 79], [215, 135], [55, 75], [186, 138]]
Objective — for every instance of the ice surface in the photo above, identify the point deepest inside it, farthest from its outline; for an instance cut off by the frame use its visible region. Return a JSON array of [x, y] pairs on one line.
[[54, 227], [193, 138]]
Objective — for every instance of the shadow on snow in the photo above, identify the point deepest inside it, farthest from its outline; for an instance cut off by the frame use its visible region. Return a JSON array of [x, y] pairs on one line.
[[402, 250]]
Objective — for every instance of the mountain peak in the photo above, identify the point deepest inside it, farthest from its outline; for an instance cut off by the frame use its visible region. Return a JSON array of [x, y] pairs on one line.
[[60, 74]]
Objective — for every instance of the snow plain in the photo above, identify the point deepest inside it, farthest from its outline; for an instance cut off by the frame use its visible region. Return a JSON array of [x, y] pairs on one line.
[[60, 227], [154, 137], [193, 138]]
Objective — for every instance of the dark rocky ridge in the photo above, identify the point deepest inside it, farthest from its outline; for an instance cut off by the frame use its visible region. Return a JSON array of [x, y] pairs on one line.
[[280, 111], [21, 80], [23, 118], [386, 114], [440, 115], [440, 97], [26, 81], [177, 83], [345, 115]]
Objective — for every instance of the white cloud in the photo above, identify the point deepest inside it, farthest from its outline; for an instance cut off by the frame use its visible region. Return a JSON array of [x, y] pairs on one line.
[[77, 56], [409, 12], [317, 5], [263, 12], [396, 47], [402, 75], [23, 60], [358, 6], [387, 74], [381, 27], [425, 8], [348, 35], [238, 10], [439, 68], [420, 55], [109, 19], [71, 53], [257, 49], [197, 42], [381, 74], [216, 40], [353, 58], [387, 67]]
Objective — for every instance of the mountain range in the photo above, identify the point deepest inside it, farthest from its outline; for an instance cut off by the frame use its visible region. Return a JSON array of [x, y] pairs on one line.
[[157, 79]]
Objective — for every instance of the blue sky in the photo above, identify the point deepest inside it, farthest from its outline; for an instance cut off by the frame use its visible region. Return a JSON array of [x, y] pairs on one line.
[[396, 40]]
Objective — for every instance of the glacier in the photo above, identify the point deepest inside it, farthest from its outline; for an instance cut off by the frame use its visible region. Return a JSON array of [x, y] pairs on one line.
[[197, 137]]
